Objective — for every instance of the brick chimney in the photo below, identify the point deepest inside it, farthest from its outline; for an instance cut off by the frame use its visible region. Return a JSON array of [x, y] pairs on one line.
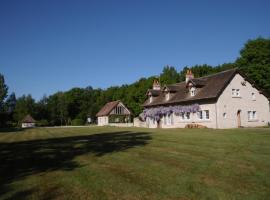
[[189, 75], [156, 85]]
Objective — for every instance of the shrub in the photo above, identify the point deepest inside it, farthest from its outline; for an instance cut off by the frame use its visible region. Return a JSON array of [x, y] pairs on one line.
[[42, 122], [77, 122]]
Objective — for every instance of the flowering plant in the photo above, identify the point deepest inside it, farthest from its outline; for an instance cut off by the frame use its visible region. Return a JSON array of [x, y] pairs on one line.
[[157, 112]]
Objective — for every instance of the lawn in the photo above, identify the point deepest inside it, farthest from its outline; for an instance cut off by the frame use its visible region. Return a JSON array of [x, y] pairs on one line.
[[133, 163]]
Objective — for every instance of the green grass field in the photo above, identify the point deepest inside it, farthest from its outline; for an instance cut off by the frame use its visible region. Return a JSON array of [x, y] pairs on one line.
[[133, 163]]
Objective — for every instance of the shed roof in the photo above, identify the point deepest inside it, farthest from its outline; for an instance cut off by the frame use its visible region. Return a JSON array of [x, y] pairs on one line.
[[28, 119]]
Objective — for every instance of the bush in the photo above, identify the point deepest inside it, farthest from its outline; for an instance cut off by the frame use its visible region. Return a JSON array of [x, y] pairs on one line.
[[77, 122], [42, 122]]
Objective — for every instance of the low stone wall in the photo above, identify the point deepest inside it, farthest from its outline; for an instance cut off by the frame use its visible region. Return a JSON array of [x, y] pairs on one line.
[[121, 124], [139, 123]]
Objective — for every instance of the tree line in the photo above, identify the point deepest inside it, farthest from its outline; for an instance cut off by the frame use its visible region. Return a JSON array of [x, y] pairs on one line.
[[75, 105]]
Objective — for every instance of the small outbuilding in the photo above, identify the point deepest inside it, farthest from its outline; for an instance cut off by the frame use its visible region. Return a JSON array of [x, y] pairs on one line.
[[114, 113], [28, 122]]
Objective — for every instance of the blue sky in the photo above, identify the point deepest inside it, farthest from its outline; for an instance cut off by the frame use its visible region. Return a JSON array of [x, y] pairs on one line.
[[52, 45]]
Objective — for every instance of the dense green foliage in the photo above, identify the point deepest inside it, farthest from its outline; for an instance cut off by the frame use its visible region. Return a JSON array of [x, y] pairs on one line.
[[133, 163], [79, 103]]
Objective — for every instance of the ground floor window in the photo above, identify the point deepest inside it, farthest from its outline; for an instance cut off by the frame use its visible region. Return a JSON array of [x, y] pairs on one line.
[[185, 116], [252, 115], [168, 119]]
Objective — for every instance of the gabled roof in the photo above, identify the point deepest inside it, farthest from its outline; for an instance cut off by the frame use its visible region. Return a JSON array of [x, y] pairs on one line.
[[171, 88], [153, 92], [213, 86], [197, 82], [105, 110], [28, 119]]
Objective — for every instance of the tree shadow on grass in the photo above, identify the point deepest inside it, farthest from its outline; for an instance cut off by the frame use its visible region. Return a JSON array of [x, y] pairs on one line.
[[11, 129], [21, 159]]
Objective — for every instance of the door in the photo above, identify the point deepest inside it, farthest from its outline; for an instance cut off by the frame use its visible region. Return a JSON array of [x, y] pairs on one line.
[[239, 118]]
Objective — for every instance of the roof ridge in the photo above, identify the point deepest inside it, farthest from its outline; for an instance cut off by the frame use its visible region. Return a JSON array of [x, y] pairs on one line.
[[210, 75]]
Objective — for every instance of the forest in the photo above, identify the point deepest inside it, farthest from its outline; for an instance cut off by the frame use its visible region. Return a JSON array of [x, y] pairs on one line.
[[72, 107]]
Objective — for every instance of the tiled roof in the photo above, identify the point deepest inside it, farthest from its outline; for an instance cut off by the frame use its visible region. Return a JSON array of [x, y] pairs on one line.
[[209, 87], [28, 119], [105, 110]]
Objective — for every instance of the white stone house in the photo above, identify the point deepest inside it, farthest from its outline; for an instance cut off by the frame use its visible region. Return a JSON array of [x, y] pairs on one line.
[[114, 113], [28, 122], [224, 100]]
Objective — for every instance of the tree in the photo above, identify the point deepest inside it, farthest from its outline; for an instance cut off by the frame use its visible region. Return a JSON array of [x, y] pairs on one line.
[[3, 91], [3, 95], [11, 103], [254, 61], [169, 75], [25, 105]]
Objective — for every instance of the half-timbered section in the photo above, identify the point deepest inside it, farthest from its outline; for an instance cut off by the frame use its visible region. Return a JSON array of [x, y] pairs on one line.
[[114, 112]]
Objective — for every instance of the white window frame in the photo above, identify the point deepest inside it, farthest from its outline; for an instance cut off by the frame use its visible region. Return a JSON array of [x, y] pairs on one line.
[[236, 92], [168, 119], [150, 98], [192, 91], [185, 116], [224, 115], [252, 115], [203, 115], [167, 96]]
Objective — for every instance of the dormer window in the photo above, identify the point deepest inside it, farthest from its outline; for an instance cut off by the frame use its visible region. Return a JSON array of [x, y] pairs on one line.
[[150, 98], [192, 91], [167, 96]]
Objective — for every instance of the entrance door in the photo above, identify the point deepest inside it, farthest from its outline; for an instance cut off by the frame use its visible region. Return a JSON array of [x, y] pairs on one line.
[[239, 118]]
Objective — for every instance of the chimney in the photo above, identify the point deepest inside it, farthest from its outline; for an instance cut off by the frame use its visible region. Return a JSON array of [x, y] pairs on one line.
[[189, 75], [156, 85]]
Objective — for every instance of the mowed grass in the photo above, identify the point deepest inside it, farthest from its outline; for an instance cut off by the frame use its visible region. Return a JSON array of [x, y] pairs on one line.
[[133, 163]]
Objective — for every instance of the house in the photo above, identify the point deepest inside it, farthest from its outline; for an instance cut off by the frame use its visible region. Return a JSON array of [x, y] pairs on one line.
[[28, 122], [224, 100], [114, 113]]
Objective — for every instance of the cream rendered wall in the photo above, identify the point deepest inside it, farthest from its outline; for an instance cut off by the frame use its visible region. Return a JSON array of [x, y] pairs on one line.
[[28, 125], [179, 123], [230, 105], [103, 121]]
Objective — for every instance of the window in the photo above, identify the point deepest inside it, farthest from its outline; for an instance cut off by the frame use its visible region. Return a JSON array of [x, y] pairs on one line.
[[151, 99], [185, 116], [206, 114], [236, 92], [203, 114], [168, 119], [200, 114], [192, 91], [224, 115], [252, 115], [167, 96], [253, 96]]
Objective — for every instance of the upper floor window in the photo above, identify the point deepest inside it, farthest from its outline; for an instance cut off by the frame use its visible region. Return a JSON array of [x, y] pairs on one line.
[[203, 114], [253, 96], [150, 98], [167, 96], [192, 91], [236, 92], [252, 115]]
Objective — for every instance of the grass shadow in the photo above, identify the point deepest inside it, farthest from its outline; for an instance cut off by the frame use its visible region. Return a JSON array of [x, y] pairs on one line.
[[21, 159]]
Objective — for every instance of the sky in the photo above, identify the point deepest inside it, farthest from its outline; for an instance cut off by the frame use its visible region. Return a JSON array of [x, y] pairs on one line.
[[55, 45]]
